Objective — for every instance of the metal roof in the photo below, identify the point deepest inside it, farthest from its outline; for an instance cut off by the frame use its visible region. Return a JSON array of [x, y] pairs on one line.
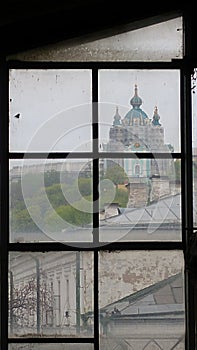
[[164, 298]]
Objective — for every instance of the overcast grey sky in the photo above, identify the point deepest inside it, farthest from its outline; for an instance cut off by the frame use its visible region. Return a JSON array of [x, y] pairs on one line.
[[55, 106], [155, 87]]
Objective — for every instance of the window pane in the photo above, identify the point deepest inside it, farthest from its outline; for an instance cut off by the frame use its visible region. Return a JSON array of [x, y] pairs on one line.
[[142, 300], [51, 200], [151, 123], [159, 42], [49, 294], [140, 199], [50, 110], [48, 346]]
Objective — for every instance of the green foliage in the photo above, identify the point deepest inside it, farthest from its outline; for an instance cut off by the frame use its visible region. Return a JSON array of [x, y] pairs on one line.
[[74, 216], [21, 221], [51, 177], [55, 195], [31, 184], [46, 211], [70, 217], [85, 186], [72, 201], [121, 197], [116, 174], [16, 198]]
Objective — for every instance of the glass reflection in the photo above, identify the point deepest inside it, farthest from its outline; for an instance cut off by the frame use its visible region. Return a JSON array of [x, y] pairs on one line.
[[140, 199], [142, 300], [50, 200], [49, 293], [50, 110], [152, 121]]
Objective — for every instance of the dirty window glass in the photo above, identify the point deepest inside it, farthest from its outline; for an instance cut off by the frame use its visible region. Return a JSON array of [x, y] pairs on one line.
[[46, 297], [50, 110], [139, 110], [146, 306], [95, 158], [157, 42], [136, 205], [51, 200]]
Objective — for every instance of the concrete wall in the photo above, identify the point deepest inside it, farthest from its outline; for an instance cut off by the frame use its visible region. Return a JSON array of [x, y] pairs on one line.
[[124, 272], [142, 192]]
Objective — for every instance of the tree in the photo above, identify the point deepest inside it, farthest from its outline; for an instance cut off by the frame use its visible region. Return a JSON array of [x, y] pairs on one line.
[[23, 303], [85, 186], [62, 198], [16, 195], [116, 174], [122, 197], [51, 177], [21, 220], [55, 195], [70, 215], [31, 184]]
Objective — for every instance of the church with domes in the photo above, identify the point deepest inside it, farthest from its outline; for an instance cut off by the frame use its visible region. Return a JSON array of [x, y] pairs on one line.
[[137, 132]]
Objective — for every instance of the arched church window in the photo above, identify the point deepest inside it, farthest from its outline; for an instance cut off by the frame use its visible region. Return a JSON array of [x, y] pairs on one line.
[[137, 170], [136, 121]]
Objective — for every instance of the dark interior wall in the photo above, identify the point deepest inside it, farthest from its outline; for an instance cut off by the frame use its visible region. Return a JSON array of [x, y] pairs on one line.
[[28, 24]]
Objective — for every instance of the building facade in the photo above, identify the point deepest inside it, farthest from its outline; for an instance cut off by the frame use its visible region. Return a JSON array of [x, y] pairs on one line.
[[48, 292], [136, 132]]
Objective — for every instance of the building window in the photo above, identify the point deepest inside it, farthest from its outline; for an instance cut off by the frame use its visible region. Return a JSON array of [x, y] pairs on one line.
[[98, 193], [137, 170]]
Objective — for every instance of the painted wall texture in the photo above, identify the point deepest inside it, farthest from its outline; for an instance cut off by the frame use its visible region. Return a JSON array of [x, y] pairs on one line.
[[124, 272], [66, 286]]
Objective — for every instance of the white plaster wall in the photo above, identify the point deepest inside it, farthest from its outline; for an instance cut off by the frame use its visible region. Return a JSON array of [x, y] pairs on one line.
[[124, 272]]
